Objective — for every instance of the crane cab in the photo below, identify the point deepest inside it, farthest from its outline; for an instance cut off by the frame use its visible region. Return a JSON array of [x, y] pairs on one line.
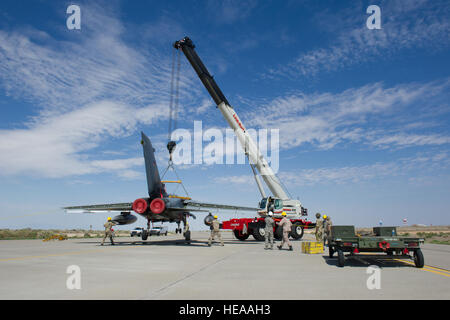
[[291, 207]]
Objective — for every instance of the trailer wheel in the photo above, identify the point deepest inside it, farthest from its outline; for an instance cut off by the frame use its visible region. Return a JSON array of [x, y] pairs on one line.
[[419, 261], [341, 258], [144, 235], [297, 231], [330, 252], [240, 236], [258, 233]]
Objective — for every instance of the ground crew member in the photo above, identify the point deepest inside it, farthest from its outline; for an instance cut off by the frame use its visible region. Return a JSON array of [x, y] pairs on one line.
[[286, 224], [268, 231], [319, 228], [327, 228], [215, 231], [108, 230]]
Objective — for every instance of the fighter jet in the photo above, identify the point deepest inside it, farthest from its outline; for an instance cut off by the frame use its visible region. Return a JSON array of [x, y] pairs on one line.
[[159, 206]]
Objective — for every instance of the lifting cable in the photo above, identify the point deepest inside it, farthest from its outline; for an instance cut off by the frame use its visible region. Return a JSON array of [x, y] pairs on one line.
[[173, 113], [174, 100]]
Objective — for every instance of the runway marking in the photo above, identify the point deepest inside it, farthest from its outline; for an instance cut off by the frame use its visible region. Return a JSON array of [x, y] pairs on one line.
[[441, 271]]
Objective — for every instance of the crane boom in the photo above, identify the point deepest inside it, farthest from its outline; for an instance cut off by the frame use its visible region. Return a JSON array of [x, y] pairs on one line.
[[251, 150]]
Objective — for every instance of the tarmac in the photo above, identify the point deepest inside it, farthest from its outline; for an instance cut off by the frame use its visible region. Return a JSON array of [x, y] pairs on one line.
[[166, 268]]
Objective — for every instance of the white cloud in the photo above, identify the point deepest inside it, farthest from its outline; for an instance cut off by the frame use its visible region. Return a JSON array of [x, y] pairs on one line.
[[372, 114], [405, 25], [57, 146], [87, 88], [418, 168]]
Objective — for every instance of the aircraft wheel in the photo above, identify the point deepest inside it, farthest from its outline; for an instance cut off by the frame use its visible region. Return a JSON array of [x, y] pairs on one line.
[[259, 233], [187, 235], [341, 258], [241, 237], [144, 235], [419, 261]]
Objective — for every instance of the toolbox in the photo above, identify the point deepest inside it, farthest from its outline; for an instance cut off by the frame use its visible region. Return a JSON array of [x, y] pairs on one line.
[[311, 247]]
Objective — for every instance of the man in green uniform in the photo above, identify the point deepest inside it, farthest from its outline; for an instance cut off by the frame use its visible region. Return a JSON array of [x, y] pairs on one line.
[[286, 224], [108, 230], [319, 228], [327, 228], [215, 231], [268, 231]]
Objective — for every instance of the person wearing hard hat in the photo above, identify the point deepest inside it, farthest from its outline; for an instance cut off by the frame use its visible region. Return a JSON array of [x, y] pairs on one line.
[[215, 231], [327, 229], [268, 231], [108, 230], [286, 224], [319, 228]]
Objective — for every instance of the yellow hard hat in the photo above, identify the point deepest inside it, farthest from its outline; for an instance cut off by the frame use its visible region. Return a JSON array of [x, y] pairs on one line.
[[283, 214], [109, 218], [324, 216], [215, 217]]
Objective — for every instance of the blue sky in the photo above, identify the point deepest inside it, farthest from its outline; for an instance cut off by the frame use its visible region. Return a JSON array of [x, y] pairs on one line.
[[363, 114]]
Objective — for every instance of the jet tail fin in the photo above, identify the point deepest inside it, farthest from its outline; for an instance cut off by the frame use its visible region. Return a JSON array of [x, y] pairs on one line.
[[154, 184]]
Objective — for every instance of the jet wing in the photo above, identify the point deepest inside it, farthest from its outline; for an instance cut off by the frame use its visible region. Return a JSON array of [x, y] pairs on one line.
[[126, 206], [192, 205]]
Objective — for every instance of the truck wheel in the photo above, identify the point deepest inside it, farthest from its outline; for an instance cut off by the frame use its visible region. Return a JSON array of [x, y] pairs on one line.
[[419, 261], [144, 235], [258, 233], [297, 231], [278, 234], [330, 252], [241, 237], [341, 258]]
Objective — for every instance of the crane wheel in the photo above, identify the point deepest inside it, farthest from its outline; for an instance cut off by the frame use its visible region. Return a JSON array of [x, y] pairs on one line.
[[258, 233], [240, 236], [278, 234], [297, 231]]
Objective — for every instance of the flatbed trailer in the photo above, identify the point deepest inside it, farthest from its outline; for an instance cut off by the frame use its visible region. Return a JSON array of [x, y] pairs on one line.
[[244, 227], [384, 240]]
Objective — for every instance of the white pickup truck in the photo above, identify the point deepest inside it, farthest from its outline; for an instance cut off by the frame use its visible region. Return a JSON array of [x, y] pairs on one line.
[[159, 231]]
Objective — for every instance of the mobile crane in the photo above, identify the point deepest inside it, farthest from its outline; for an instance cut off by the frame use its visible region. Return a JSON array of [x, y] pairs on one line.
[[279, 201]]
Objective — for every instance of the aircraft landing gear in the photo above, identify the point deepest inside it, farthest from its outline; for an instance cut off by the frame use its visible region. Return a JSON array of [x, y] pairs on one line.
[[145, 233]]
